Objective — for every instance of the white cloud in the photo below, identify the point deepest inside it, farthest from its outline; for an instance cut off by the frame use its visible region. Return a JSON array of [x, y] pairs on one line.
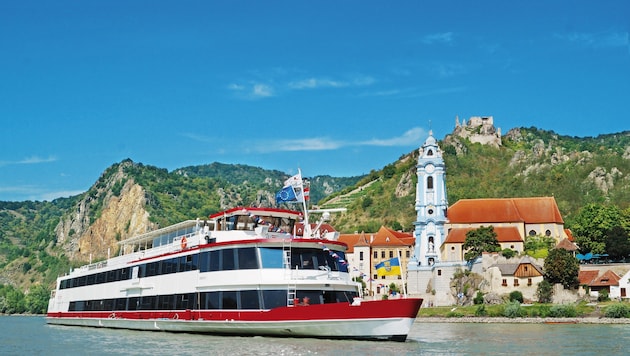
[[444, 37], [411, 137], [596, 40], [252, 90], [262, 91], [29, 160]]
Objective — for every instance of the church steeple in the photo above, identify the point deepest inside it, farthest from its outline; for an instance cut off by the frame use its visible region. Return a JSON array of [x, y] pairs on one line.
[[431, 205]]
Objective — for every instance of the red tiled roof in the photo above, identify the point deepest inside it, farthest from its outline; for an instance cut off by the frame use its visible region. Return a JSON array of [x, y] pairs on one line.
[[504, 235], [387, 237], [527, 210], [569, 234], [609, 278], [384, 237], [586, 277]]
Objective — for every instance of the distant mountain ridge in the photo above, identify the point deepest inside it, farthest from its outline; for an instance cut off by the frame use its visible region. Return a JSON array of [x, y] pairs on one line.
[[40, 240]]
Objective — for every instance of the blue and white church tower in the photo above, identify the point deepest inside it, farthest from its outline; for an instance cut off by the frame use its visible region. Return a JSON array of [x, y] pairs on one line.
[[431, 205]]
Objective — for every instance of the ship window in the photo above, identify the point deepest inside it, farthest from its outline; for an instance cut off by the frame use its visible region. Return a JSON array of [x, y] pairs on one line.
[[204, 261], [148, 302], [227, 259], [134, 303], [165, 302], [121, 304], [249, 299], [274, 298], [90, 279], [169, 266], [185, 301], [209, 300], [228, 300], [100, 278], [247, 258], [271, 257], [215, 260], [82, 281]]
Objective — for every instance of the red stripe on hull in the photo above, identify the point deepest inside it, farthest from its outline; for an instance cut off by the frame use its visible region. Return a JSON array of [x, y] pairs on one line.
[[381, 309]]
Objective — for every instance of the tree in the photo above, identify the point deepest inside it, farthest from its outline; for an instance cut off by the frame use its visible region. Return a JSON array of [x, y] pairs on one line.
[[617, 243], [591, 225], [480, 240], [562, 267], [544, 292]]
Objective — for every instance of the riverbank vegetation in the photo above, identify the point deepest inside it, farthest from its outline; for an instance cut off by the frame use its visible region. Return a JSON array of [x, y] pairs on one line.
[[514, 309]]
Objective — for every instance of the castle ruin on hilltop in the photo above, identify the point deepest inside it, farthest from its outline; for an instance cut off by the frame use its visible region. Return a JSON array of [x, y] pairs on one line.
[[479, 129]]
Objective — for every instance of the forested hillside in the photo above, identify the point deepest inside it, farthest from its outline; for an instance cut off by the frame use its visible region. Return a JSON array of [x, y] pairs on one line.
[[40, 240]]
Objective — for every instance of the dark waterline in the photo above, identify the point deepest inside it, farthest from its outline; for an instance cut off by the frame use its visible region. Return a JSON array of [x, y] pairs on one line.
[[30, 335]]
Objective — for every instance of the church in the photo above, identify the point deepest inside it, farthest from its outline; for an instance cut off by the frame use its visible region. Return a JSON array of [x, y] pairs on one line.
[[440, 230]]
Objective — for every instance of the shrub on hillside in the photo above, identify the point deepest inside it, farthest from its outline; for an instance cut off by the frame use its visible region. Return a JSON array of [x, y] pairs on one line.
[[617, 310], [514, 310], [516, 296]]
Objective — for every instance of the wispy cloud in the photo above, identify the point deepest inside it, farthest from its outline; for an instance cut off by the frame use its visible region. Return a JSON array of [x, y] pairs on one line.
[[438, 38], [31, 192], [315, 83], [30, 160], [281, 84], [596, 40], [252, 90], [409, 138], [415, 92]]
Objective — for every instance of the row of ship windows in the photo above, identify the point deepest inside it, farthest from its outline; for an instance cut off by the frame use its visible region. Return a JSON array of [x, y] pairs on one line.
[[245, 299], [217, 260]]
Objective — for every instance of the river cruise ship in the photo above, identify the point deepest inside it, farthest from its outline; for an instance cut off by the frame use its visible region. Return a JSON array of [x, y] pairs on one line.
[[243, 271]]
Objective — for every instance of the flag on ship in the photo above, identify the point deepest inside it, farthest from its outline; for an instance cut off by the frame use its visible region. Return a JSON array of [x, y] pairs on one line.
[[294, 190], [286, 194], [390, 267]]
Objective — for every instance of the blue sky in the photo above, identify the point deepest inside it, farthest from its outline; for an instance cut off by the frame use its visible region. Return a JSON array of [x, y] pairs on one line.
[[331, 87]]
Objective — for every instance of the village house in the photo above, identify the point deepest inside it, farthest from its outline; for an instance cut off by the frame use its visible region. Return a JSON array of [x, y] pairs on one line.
[[365, 251]]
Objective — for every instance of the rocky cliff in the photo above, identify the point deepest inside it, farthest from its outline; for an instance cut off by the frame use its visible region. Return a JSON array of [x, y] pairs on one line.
[[112, 210]]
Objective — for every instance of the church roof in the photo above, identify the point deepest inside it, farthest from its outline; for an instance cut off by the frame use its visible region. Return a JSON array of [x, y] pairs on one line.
[[504, 235], [499, 210]]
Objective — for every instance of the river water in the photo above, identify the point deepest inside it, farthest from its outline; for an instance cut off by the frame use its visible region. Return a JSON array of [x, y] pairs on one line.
[[30, 335]]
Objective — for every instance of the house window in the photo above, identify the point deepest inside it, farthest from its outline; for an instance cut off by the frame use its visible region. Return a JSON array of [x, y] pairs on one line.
[[430, 153], [391, 254], [383, 254], [532, 233], [452, 248], [375, 276], [515, 282], [525, 267], [361, 256], [504, 282], [430, 182], [548, 233], [375, 254], [408, 254], [529, 281], [439, 272]]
